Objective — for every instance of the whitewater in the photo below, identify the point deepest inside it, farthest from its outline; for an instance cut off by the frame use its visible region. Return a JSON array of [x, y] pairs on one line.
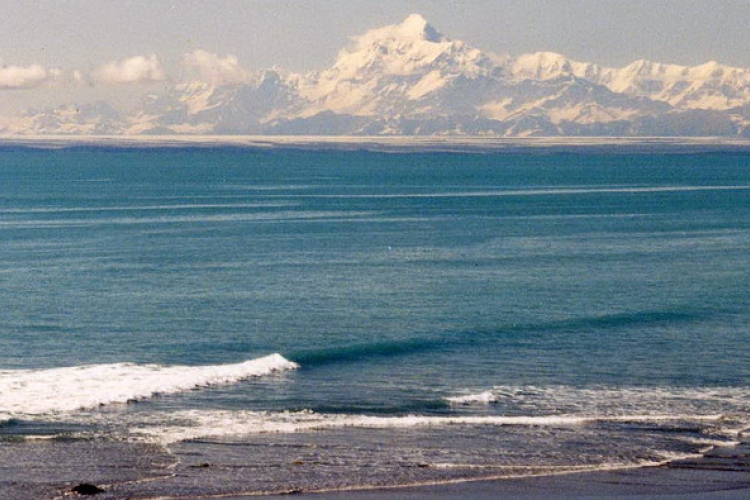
[[224, 320], [28, 392]]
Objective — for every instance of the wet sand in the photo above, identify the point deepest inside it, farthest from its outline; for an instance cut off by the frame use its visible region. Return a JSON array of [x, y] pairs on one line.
[[722, 474], [641, 484], [50, 470]]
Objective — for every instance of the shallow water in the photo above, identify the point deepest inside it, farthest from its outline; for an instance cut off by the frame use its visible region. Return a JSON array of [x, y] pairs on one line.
[[466, 313]]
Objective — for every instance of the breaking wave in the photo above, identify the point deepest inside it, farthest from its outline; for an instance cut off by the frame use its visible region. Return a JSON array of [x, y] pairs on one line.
[[56, 390]]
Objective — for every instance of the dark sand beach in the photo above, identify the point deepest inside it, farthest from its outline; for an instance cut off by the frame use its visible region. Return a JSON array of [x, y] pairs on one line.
[[642, 484], [52, 470], [723, 474]]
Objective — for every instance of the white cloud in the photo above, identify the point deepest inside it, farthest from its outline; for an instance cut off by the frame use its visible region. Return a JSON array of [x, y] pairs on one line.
[[217, 70], [19, 77], [138, 69], [78, 77]]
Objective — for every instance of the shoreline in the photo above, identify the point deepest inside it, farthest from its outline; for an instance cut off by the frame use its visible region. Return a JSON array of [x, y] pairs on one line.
[[721, 474], [51, 470], [644, 483], [386, 144]]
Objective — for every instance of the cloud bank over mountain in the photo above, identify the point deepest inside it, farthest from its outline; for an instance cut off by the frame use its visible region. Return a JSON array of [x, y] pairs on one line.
[[20, 77], [136, 69], [217, 70], [406, 79]]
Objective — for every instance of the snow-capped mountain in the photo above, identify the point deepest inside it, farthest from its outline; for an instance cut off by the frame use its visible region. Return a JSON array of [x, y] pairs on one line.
[[708, 86], [392, 70], [93, 118], [411, 79], [199, 107]]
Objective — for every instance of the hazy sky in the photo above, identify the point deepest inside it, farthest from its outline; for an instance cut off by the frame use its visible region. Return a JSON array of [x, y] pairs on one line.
[[131, 41]]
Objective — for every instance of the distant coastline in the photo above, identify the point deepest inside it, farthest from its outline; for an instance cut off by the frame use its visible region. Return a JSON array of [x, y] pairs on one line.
[[390, 144]]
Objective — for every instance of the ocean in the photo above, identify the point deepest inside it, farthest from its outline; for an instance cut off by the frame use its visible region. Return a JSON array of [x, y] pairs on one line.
[[232, 320]]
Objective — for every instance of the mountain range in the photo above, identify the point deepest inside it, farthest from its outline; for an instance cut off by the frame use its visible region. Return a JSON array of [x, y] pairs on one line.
[[410, 79]]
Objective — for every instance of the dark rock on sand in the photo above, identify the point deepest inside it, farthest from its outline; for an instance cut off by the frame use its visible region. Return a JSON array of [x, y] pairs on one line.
[[87, 489]]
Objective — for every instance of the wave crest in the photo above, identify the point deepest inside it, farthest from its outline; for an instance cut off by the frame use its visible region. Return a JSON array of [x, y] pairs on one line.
[[39, 392]]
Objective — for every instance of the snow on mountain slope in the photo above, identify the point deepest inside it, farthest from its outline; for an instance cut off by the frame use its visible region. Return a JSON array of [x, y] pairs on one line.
[[409, 78], [544, 66], [92, 118], [709, 86], [387, 70], [569, 98], [200, 107]]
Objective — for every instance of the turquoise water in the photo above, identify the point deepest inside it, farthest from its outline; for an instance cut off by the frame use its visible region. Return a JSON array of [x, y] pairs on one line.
[[407, 288]]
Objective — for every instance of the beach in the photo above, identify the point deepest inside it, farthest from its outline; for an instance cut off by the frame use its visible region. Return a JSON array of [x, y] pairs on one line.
[[640, 484], [52, 471]]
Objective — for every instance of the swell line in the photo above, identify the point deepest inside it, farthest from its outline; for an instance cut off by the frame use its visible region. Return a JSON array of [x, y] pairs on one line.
[[383, 349]]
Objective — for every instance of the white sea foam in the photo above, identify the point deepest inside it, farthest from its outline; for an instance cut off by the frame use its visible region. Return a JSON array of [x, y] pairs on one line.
[[195, 424], [51, 391], [611, 401], [567, 191], [141, 208], [482, 398], [284, 215], [724, 410]]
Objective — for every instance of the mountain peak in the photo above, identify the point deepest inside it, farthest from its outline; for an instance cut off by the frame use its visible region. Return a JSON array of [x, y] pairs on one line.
[[413, 29], [710, 69], [416, 26], [542, 65]]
